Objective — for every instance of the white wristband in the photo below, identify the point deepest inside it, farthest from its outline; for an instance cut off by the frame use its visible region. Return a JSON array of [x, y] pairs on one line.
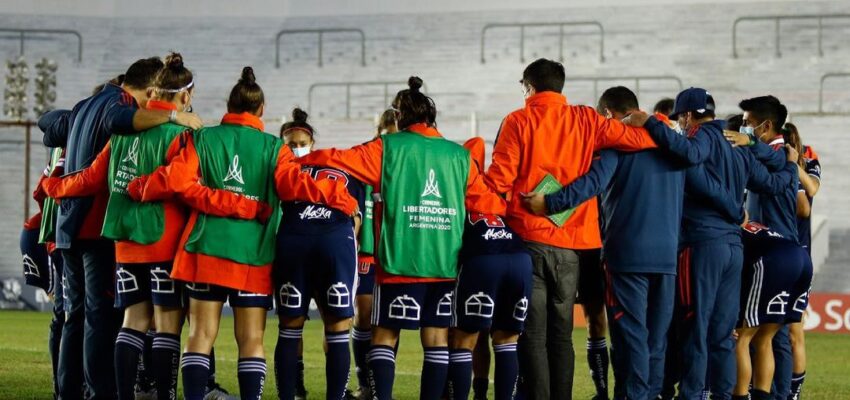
[[173, 116]]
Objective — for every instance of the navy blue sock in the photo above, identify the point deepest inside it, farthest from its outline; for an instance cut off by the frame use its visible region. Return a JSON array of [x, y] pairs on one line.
[[286, 362], [165, 363], [337, 363], [145, 374], [211, 379], [252, 377], [129, 346], [756, 394], [797, 385], [300, 389], [361, 340], [435, 369], [196, 374], [479, 387], [460, 373], [507, 370], [597, 360], [381, 360]]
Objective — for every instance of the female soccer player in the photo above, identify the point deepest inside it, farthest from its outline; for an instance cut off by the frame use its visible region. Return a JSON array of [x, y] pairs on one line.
[[317, 259], [225, 259], [427, 184], [147, 234]]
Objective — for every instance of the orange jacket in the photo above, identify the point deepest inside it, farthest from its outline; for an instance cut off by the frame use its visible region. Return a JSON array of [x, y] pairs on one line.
[[94, 180], [182, 176], [364, 163], [549, 136]]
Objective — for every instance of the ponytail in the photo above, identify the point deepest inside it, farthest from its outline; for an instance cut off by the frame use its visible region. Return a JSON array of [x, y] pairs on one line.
[[173, 78], [299, 122], [387, 119], [246, 95], [413, 106], [792, 137]]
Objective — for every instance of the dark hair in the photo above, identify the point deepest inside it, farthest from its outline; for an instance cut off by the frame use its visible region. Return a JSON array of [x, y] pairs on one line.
[[618, 99], [544, 76], [414, 106], [664, 106], [174, 77], [141, 74], [766, 108], [117, 81], [299, 121], [246, 96], [734, 122], [388, 118], [792, 137]]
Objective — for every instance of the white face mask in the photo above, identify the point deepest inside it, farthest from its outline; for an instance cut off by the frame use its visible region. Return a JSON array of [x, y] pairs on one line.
[[300, 151]]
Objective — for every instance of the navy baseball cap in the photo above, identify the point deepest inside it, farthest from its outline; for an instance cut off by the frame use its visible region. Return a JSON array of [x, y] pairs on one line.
[[692, 99]]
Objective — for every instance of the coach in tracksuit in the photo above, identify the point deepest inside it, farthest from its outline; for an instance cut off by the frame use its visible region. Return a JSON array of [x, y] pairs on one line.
[[711, 254], [89, 259]]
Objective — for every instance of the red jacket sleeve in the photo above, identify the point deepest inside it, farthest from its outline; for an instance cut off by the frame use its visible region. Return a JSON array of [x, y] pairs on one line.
[[86, 182], [506, 157], [182, 177], [363, 162], [613, 134], [479, 197], [292, 184]]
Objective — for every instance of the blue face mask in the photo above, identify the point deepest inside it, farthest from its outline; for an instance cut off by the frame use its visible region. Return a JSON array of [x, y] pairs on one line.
[[300, 151]]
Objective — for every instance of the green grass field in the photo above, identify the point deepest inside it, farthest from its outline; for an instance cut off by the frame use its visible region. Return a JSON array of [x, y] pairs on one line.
[[25, 363]]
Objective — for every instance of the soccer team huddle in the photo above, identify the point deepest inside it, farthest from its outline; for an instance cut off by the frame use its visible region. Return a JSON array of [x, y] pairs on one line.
[[686, 238]]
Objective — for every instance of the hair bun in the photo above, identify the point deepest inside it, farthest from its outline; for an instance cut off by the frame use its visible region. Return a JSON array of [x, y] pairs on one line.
[[248, 76], [414, 83], [174, 60], [299, 115]]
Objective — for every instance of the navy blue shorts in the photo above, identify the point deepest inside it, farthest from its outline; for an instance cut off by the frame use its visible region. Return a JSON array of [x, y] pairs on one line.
[[236, 298], [775, 288], [412, 305], [365, 276], [591, 278], [135, 283], [318, 267], [35, 262], [493, 291]]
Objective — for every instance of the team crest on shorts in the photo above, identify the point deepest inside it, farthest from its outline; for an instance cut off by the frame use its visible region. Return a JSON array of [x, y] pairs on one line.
[[404, 307], [161, 281], [290, 296], [198, 287], [777, 304], [521, 309], [444, 307], [29, 267], [339, 296], [126, 282], [479, 305]]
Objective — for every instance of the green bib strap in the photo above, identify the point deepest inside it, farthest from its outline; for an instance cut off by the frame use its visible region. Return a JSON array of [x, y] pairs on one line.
[[49, 209]]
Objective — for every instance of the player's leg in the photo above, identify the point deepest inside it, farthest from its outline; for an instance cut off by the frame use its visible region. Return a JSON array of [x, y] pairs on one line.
[[103, 320], [721, 345], [434, 334], [293, 302], [628, 309], [249, 310], [71, 380], [783, 358], [474, 302], [590, 289], [533, 357], [794, 319], [205, 303], [563, 268], [361, 338], [394, 307], [509, 321], [134, 297], [481, 366], [58, 320], [658, 319], [798, 350], [743, 360], [335, 276], [763, 362], [168, 314]]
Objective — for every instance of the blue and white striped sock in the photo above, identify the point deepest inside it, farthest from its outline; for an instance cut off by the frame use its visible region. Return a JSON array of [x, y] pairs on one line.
[[286, 361], [507, 370], [129, 345], [361, 340], [381, 360], [435, 370], [252, 377], [460, 373], [196, 371], [165, 362], [337, 363]]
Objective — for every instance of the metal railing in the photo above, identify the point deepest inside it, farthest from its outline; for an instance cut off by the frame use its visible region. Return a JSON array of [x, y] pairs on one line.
[[777, 21], [23, 33], [321, 34], [822, 81], [560, 26], [636, 79], [348, 85]]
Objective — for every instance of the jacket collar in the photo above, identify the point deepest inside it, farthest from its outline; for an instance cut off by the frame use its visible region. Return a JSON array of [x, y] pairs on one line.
[[778, 140], [244, 119], [161, 105], [424, 130], [544, 98]]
